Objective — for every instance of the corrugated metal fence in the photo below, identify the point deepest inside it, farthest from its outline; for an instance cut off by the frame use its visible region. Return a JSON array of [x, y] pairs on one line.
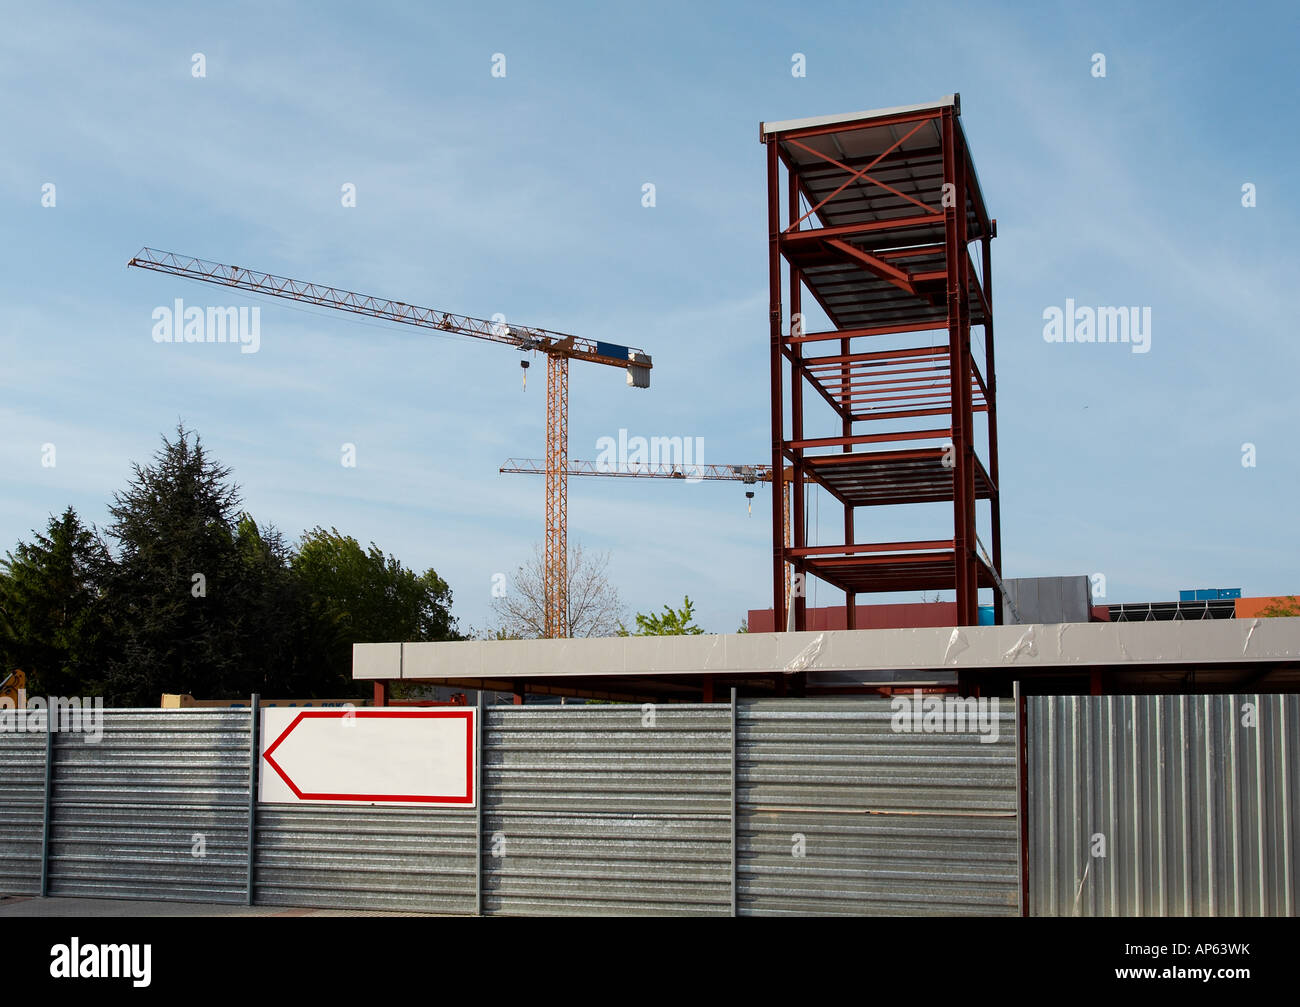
[[840, 814], [156, 809], [607, 810], [356, 857], [772, 807], [1192, 800], [22, 810]]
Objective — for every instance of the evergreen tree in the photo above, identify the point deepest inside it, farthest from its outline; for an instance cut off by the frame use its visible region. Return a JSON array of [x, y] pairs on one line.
[[175, 588], [53, 616], [270, 616]]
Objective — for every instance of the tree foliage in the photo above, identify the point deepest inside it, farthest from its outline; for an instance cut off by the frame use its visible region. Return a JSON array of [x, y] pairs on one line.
[[175, 590], [355, 595], [189, 594], [53, 621], [1284, 608], [670, 622]]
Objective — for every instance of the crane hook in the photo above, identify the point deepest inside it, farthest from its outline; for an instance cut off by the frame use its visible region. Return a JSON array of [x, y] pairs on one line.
[[524, 365]]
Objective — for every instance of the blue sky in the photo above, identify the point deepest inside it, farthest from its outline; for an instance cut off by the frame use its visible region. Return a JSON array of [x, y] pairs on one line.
[[522, 195]]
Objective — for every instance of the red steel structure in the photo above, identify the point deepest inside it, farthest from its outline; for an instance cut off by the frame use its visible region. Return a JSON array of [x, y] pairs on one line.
[[881, 212]]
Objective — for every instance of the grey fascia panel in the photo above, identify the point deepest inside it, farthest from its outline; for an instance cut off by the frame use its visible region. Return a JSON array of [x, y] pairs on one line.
[[1209, 642], [767, 129], [376, 661]]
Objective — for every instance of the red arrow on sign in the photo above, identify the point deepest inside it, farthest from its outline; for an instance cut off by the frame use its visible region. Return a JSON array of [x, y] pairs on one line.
[[336, 741]]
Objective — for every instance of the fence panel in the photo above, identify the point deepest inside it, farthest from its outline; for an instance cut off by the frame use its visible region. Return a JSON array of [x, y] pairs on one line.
[[155, 809], [607, 810], [839, 814], [1164, 805], [22, 809], [360, 857]]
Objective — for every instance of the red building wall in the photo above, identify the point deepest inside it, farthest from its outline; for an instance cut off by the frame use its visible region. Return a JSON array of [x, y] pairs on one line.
[[907, 615]]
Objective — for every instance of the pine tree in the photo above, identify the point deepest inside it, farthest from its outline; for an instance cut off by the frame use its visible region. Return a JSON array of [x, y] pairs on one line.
[[53, 616], [270, 624], [176, 589]]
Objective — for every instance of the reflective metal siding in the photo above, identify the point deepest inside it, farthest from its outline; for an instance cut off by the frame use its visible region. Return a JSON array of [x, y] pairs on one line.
[[361, 857], [589, 812], [127, 810], [1199, 812], [22, 806], [891, 823]]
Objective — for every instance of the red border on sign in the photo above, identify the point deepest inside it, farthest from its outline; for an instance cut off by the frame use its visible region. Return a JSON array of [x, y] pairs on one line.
[[468, 716]]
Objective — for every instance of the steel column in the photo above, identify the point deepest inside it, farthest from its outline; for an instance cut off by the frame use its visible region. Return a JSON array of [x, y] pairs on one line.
[[991, 397], [778, 403], [966, 366], [1022, 792], [959, 356], [478, 804], [49, 795], [254, 764], [799, 492], [846, 427], [734, 859]]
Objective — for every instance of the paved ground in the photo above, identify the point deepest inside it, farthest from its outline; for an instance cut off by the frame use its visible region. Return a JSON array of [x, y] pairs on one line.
[[116, 908]]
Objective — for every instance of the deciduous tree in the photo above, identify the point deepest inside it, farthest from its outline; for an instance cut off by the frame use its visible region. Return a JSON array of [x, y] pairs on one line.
[[595, 608]]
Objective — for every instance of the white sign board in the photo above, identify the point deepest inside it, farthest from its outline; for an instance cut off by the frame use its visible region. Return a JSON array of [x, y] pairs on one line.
[[416, 756]]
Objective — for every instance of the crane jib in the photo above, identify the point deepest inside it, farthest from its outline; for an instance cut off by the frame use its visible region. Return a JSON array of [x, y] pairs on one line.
[[636, 362]]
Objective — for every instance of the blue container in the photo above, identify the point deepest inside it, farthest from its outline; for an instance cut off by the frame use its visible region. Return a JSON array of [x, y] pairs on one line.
[[1186, 595], [987, 615], [1209, 594], [1230, 592]]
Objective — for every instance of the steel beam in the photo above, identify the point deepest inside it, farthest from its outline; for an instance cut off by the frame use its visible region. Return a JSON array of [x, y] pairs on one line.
[[799, 598]]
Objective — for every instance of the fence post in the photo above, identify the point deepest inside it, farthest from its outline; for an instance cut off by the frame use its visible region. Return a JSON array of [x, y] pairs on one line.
[[45, 819], [733, 800], [1022, 792], [478, 804], [253, 765]]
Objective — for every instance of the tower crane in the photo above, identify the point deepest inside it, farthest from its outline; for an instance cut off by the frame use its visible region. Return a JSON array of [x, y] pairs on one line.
[[559, 348]]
